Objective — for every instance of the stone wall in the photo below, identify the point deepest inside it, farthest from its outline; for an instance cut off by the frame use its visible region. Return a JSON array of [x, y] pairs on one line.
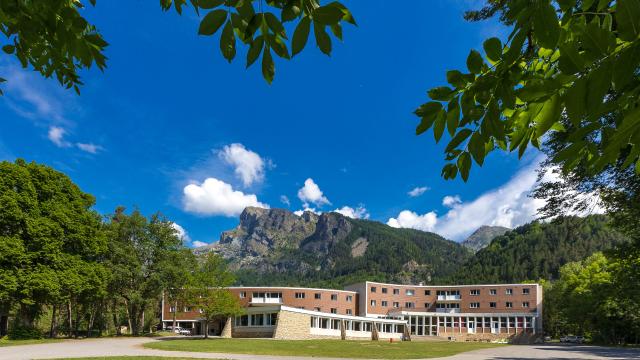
[[293, 326], [226, 330]]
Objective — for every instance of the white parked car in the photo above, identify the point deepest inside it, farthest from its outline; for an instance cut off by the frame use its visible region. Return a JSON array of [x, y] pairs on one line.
[[184, 331], [572, 339]]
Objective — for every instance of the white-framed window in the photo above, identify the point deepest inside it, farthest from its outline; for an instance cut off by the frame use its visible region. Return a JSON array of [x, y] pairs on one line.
[[396, 291], [427, 292], [509, 292], [474, 292], [509, 304], [317, 296], [316, 309], [427, 305], [385, 290], [525, 304], [334, 297], [474, 305], [373, 303], [374, 289], [396, 304], [410, 292], [409, 305], [300, 295], [243, 294], [187, 309], [493, 305], [334, 310], [525, 291], [172, 309], [349, 298], [384, 303], [349, 312], [493, 292]]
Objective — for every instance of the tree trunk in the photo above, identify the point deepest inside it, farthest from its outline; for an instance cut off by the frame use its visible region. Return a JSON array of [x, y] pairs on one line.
[[92, 315], [54, 325], [206, 328], [116, 324], [77, 324], [175, 311], [142, 322], [69, 319], [129, 315]]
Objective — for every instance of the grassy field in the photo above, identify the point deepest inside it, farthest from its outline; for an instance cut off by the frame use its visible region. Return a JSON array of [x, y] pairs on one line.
[[326, 348], [5, 342]]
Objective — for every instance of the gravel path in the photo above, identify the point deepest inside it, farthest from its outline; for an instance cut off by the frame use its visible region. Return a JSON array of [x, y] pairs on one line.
[[134, 347]]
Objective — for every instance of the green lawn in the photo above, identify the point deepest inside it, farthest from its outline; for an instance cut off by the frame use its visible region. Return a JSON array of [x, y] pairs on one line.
[[325, 348], [5, 342]]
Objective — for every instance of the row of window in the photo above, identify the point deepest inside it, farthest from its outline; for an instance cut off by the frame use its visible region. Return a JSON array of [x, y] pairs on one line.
[[473, 292], [268, 319], [297, 295], [473, 305], [334, 324]]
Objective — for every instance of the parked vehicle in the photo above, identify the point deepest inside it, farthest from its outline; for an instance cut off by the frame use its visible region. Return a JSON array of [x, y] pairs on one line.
[[572, 339], [184, 331]]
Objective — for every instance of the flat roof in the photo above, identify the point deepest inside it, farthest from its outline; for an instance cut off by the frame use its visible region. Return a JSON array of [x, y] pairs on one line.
[[289, 288]]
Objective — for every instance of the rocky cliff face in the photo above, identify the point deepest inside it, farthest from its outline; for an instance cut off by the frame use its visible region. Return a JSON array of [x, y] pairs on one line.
[[483, 236]]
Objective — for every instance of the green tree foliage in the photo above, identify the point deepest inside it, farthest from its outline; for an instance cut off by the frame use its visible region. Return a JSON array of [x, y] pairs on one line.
[[52, 37], [538, 250], [142, 260], [599, 297], [567, 66], [51, 242], [208, 290]]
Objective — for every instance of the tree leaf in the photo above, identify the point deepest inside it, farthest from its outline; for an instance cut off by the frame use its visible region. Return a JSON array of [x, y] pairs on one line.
[[476, 148], [548, 115], [453, 116], [212, 22], [275, 25], [598, 84], [455, 78], [290, 11], [9, 49], [575, 100], [300, 35], [327, 15], [441, 93], [279, 47], [209, 4], [254, 50], [493, 49], [228, 42], [628, 19], [464, 165], [322, 38], [546, 28], [461, 136], [268, 67], [474, 62], [336, 29]]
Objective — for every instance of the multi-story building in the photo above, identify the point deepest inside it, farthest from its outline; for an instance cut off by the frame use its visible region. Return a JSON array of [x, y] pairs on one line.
[[372, 310]]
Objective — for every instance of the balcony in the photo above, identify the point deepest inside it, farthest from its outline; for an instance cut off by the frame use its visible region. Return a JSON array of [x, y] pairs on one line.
[[448, 297], [448, 311], [265, 301]]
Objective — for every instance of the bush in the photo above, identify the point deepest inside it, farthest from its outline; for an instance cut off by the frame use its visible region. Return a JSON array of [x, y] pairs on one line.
[[22, 333]]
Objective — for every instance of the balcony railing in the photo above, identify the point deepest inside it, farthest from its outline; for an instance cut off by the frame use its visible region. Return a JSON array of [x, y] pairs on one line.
[[448, 297], [261, 300], [448, 311]]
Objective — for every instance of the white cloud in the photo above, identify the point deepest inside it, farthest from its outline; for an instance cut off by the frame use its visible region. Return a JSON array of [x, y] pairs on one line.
[[358, 213], [56, 135], [508, 205], [181, 232], [285, 200], [311, 193], [199, 244], [409, 219], [90, 148], [312, 210], [32, 97], [451, 201], [249, 166], [215, 197], [418, 191]]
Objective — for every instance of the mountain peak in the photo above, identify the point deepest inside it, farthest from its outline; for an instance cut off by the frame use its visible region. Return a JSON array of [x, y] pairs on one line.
[[483, 236]]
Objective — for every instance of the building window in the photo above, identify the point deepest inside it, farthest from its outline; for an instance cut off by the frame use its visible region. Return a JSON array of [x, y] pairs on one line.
[[299, 295], [373, 303], [525, 304], [427, 292], [349, 298], [349, 312], [410, 292], [409, 305], [243, 294], [316, 309], [242, 320], [474, 292], [384, 303], [396, 291], [493, 292], [200, 311], [384, 290], [396, 304], [334, 310], [474, 305], [509, 291], [427, 305], [492, 305], [172, 309], [334, 297], [373, 289], [525, 291], [187, 309], [257, 319], [318, 296], [509, 304]]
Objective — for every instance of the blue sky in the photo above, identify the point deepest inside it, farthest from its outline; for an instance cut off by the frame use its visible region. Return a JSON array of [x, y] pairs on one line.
[[170, 126]]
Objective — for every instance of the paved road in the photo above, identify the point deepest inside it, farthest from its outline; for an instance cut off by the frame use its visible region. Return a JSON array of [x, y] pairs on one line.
[[133, 347]]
